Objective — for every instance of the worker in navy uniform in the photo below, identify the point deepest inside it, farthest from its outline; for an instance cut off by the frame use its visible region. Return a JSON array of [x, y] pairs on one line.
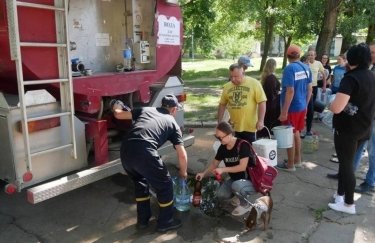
[[151, 128]]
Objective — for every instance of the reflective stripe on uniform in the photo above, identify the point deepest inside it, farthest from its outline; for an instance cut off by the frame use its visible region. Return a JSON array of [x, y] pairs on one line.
[[163, 205], [141, 199]]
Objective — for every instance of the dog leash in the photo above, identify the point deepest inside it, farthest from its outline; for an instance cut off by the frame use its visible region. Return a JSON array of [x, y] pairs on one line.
[[247, 200]]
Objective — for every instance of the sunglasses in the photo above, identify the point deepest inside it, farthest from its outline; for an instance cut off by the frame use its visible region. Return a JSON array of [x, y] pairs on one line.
[[220, 138]]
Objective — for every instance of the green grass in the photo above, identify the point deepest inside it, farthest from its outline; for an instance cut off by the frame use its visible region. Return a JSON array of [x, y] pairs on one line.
[[204, 69], [205, 83], [202, 105], [215, 73], [319, 213]]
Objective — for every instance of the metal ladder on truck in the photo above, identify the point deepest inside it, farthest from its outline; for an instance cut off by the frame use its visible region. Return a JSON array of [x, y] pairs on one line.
[[64, 80]]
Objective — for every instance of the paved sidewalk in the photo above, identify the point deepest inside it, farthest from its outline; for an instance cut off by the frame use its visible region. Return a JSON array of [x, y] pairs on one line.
[[300, 199], [105, 211]]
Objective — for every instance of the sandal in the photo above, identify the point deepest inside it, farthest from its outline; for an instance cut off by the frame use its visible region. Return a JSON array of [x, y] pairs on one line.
[[239, 210], [285, 167], [334, 160], [297, 165]]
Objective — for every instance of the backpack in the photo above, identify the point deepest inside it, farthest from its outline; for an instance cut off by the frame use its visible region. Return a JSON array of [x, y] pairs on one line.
[[261, 175]]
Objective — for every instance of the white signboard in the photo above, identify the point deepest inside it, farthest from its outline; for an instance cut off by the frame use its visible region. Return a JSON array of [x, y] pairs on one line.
[[102, 39], [169, 31]]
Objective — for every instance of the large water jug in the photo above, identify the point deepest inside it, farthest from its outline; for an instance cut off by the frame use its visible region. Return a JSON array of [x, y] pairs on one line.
[[308, 145], [183, 195]]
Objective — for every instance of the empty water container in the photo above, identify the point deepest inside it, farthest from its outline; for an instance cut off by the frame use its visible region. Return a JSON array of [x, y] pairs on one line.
[[183, 195]]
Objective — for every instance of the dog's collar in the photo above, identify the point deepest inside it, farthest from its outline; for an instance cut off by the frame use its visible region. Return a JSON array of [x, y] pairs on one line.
[[260, 207]]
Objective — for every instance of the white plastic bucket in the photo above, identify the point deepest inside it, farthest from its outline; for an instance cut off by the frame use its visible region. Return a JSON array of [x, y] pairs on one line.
[[284, 136]]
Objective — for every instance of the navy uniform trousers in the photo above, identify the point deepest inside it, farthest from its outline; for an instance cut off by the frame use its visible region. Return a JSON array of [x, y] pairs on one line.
[[145, 167]]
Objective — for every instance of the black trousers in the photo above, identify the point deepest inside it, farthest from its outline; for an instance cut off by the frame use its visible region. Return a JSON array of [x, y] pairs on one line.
[[248, 136], [310, 109], [346, 145], [145, 167]]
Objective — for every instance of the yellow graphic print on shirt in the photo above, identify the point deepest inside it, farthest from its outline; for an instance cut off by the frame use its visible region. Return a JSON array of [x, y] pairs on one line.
[[238, 97]]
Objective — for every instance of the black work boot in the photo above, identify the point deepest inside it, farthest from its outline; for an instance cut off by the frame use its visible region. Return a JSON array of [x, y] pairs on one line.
[[333, 175], [173, 224], [143, 214]]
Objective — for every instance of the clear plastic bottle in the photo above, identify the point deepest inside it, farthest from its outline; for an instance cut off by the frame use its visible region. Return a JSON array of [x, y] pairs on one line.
[[127, 53], [183, 195], [316, 142]]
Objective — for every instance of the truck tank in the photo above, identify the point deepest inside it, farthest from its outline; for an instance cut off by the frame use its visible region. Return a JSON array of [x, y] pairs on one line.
[[123, 49], [98, 32]]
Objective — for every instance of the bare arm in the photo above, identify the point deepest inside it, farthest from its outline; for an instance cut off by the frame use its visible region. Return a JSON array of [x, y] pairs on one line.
[[261, 113], [309, 93], [213, 165], [121, 114], [324, 81], [234, 169], [182, 160], [288, 100], [220, 112], [339, 103]]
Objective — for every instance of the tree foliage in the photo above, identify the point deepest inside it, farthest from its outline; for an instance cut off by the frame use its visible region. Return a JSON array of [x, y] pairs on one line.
[[198, 16], [230, 26], [328, 29]]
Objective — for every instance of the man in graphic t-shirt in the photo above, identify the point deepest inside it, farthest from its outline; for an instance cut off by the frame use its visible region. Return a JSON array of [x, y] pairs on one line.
[[245, 100]]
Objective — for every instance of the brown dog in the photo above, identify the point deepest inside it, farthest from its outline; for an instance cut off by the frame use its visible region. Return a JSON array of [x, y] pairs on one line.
[[261, 209]]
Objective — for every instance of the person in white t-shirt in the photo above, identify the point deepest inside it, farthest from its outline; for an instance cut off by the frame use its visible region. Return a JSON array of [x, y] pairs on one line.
[[316, 68]]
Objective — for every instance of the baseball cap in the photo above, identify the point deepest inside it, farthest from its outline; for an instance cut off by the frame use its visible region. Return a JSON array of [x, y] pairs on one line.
[[293, 51], [245, 61], [169, 101]]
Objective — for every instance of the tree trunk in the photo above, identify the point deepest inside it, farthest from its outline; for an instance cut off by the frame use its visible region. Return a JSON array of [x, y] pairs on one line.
[[287, 42], [370, 33], [270, 23], [268, 34], [346, 43], [328, 28]]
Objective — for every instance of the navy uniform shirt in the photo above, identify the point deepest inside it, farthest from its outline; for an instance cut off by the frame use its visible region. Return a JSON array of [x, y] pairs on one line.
[[153, 127]]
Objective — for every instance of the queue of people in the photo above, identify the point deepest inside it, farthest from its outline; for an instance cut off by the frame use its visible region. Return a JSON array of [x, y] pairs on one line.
[[252, 105]]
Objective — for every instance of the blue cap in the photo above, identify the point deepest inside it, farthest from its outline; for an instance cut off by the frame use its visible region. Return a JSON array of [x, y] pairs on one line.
[[169, 101], [244, 61]]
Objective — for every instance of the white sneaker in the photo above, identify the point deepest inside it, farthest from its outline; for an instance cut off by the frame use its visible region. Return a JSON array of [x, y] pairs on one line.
[[338, 198], [240, 210], [235, 201], [341, 207]]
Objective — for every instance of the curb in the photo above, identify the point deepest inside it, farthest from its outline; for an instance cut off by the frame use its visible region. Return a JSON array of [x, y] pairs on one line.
[[196, 124]]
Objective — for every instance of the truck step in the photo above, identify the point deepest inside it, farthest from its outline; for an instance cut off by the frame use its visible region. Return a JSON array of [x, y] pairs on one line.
[[68, 183]]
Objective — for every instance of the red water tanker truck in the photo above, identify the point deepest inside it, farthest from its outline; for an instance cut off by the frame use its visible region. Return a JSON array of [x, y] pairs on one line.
[[61, 62]]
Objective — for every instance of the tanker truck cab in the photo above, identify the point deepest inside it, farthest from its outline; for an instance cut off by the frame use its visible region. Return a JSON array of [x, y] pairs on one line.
[[61, 63]]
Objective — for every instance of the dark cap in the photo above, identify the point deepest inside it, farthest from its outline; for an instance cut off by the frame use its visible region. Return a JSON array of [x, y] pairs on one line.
[[170, 101]]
